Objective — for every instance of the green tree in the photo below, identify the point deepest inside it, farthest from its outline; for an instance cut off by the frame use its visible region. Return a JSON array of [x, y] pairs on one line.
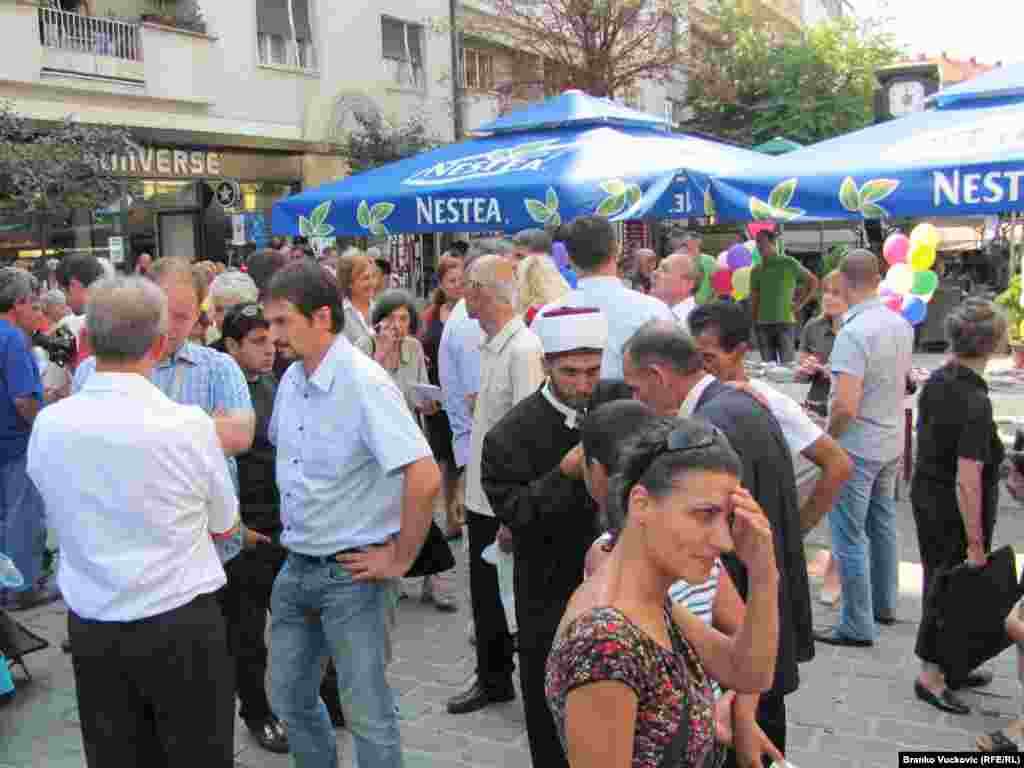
[[753, 82], [374, 142], [51, 170]]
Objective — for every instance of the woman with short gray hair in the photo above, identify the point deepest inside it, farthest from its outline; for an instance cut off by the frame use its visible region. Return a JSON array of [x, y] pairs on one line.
[[955, 490]]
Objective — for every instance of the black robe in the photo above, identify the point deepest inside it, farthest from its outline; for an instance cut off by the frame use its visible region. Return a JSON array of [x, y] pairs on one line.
[[552, 516], [768, 475]]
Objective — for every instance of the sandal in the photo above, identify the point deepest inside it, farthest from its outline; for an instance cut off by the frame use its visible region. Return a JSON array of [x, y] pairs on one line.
[[996, 742]]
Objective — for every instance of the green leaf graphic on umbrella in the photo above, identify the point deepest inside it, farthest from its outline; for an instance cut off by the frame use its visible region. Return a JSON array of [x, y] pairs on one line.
[[545, 213], [709, 203], [316, 225], [621, 197], [777, 207], [373, 218], [864, 200]]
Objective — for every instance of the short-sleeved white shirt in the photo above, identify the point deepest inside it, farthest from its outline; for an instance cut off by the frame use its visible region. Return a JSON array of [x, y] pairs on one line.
[[134, 484]]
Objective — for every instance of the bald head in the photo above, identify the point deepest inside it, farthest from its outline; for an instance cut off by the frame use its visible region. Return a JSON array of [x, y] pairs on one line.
[[676, 278], [496, 275], [860, 270]]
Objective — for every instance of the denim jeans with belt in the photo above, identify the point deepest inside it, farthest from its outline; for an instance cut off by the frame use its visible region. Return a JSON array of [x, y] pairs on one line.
[[316, 609], [22, 521], [863, 524]]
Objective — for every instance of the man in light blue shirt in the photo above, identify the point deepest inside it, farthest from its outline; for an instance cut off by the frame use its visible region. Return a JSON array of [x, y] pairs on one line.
[[458, 368], [593, 249], [191, 374], [870, 362], [358, 484]]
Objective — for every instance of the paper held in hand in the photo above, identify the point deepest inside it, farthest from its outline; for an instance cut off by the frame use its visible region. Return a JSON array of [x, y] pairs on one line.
[[424, 394]]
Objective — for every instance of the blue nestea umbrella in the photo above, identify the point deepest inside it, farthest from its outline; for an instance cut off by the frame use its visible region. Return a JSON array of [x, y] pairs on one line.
[[1003, 85], [928, 164], [588, 156]]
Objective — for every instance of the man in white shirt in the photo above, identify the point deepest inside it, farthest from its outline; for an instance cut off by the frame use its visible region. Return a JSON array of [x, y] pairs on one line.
[[593, 249], [138, 567], [721, 331], [511, 368], [674, 282]]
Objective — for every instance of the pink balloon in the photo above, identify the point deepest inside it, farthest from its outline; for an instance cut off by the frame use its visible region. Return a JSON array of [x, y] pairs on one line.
[[894, 302], [721, 282], [896, 248]]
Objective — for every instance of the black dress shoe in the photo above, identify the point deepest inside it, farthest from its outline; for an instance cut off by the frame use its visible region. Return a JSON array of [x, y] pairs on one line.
[[65, 645], [477, 698], [979, 678], [947, 701], [271, 735], [831, 636], [885, 621]]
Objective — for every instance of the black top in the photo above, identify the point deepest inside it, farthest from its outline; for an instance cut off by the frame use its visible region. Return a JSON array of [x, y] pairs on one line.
[[552, 517], [817, 339], [955, 421], [768, 475], [258, 497], [432, 342]]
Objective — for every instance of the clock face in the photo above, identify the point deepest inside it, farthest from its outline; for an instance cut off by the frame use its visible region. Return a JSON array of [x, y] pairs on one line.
[[906, 96]]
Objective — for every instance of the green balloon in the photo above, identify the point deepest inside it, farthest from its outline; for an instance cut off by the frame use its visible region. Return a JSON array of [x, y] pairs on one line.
[[925, 283], [705, 292]]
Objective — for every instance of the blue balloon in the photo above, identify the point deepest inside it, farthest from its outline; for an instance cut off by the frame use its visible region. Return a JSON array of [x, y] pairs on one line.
[[914, 310], [738, 257], [570, 276]]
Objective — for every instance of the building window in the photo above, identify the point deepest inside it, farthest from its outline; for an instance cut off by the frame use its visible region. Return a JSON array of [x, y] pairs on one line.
[[284, 35], [402, 48], [478, 70]]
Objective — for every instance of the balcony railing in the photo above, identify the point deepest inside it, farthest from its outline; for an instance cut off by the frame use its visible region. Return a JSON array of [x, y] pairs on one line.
[[86, 34]]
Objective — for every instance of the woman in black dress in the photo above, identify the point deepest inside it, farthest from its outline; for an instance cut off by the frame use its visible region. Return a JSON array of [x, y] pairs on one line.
[[955, 490], [438, 429]]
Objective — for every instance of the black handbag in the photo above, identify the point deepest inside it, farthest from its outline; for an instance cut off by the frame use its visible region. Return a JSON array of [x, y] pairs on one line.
[[435, 555], [967, 611]]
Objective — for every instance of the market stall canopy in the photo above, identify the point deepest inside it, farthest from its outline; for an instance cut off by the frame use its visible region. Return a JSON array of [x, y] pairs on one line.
[[935, 163], [516, 178], [780, 145], [1003, 85]]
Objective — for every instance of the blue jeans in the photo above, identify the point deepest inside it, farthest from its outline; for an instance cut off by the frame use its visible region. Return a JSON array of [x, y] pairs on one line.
[[863, 524], [22, 521], [317, 609]]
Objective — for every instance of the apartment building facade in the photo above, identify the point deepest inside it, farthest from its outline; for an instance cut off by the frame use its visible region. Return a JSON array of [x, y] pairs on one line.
[[229, 110]]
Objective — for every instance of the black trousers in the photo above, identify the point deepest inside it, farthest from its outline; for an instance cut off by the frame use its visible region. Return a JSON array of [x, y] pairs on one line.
[[245, 601], [545, 748], [942, 543], [494, 663], [771, 716], [155, 692]]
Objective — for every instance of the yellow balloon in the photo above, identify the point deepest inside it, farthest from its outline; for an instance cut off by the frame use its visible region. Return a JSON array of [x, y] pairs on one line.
[[900, 278], [922, 256], [741, 282], [925, 234]]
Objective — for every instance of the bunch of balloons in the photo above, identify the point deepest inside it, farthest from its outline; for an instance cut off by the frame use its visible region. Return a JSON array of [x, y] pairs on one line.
[[910, 282], [730, 272]]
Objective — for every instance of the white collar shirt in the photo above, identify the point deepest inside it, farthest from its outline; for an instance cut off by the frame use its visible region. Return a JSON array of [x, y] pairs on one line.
[[511, 368], [693, 396], [625, 309], [682, 311], [573, 418], [134, 484], [343, 435]]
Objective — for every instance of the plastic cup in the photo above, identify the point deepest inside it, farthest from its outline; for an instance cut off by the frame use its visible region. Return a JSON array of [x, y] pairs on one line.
[[10, 576]]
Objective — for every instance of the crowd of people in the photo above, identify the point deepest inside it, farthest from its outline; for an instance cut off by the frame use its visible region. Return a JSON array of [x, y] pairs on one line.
[[226, 445]]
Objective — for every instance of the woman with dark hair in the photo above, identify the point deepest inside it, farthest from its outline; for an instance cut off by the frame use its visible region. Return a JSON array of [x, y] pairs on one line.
[[628, 678], [955, 490], [437, 426], [398, 351]]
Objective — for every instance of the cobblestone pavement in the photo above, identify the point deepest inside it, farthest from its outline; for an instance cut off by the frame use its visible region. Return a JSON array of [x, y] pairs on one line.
[[855, 707]]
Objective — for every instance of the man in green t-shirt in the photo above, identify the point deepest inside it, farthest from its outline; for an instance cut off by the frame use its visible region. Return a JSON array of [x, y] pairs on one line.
[[774, 300]]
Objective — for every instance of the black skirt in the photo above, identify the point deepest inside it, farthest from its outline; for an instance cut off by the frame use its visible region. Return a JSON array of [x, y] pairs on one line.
[[434, 557], [439, 435]]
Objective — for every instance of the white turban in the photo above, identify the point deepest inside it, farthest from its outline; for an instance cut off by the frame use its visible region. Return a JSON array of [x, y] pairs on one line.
[[564, 329]]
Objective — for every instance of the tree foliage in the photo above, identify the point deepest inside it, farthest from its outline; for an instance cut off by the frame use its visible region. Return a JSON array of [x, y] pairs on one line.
[[753, 83], [375, 142], [602, 47], [55, 169]]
